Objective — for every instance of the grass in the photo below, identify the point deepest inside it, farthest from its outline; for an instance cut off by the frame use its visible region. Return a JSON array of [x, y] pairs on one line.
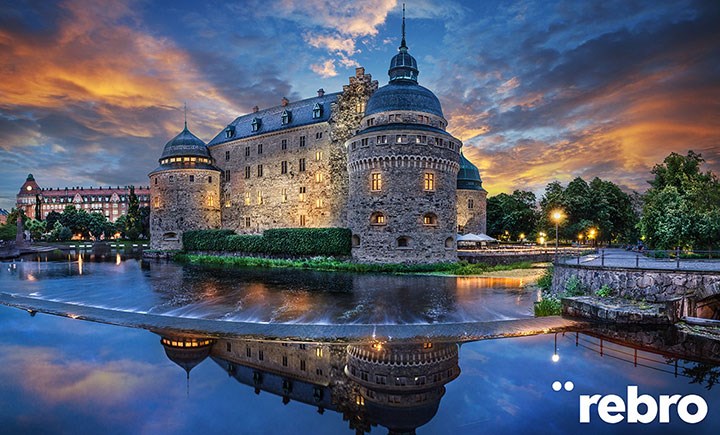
[[332, 264], [548, 306]]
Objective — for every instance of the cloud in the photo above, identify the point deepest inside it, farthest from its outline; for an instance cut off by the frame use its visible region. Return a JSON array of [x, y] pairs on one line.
[[325, 69]]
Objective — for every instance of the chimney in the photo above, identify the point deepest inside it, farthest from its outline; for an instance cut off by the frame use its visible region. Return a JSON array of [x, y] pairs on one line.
[[321, 92], [359, 71], [255, 109], [285, 101]]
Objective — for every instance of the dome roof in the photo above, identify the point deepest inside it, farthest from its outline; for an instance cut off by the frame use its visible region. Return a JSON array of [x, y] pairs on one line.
[[403, 95], [469, 176], [185, 144]]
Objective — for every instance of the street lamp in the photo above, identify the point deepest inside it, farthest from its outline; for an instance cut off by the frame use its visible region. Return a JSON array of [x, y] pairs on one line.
[[557, 215], [591, 235], [580, 237]]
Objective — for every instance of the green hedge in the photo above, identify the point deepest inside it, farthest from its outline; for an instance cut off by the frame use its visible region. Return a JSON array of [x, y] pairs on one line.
[[286, 241]]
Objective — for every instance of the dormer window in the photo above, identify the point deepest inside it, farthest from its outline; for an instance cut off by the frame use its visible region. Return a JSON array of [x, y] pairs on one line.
[[286, 117], [229, 131], [256, 122], [317, 110]]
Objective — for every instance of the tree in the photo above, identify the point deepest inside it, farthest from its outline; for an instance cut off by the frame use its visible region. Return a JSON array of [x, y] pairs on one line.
[[509, 216], [36, 228], [77, 221], [97, 224], [133, 226], [682, 206], [13, 215], [51, 218]]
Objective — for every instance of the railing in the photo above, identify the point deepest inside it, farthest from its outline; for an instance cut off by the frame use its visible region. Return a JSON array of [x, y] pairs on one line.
[[677, 259]]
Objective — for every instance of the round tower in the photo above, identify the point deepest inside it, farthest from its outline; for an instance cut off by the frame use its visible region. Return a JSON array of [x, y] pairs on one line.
[[184, 191], [471, 199], [403, 169]]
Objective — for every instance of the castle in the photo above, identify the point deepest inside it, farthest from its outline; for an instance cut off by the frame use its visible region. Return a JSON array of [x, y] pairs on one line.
[[377, 160]]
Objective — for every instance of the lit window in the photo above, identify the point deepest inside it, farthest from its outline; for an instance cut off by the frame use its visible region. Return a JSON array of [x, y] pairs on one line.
[[283, 167], [376, 181], [381, 140], [256, 123], [318, 155], [360, 107], [429, 181], [377, 218], [303, 190], [157, 202], [319, 203], [430, 219], [319, 177], [259, 197], [401, 138], [227, 204], [211, 201], [283, 195], [247, 198]]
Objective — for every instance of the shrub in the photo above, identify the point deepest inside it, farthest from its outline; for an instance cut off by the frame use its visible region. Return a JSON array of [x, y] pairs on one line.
[[206, 240], [545, 281], [605, 291], [548, 306], [575, 287]]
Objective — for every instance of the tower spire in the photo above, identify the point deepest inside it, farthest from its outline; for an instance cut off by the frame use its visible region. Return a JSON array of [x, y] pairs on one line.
[[402, 43], [185, 115]]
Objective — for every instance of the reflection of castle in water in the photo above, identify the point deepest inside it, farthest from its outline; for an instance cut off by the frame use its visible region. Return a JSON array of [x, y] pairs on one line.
[[395, 385]]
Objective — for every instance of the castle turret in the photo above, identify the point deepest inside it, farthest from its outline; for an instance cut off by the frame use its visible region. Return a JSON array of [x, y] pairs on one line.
[[184, 191], [403, 169], [471, 199]]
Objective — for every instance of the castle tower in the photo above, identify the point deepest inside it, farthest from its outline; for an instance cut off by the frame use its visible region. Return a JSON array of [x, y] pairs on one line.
[[403, 169], [28, 197], [184, 191], [471, 199]]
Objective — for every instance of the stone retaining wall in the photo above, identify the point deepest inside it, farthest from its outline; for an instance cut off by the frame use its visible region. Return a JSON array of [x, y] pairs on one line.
[[653, 285], [496, 259]]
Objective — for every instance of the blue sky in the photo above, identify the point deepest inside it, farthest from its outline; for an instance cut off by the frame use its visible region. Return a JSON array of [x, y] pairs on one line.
[[538, 91]]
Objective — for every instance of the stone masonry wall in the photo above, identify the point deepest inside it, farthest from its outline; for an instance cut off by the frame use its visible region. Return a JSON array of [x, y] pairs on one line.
[[472, 220], [179, 205], [642, 284]]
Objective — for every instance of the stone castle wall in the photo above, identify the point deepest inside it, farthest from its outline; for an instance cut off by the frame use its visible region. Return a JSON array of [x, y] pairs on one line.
[[472, 211], [179, 204]]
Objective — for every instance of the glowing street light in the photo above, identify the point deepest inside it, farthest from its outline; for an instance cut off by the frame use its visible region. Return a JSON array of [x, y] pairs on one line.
[[557, 216]]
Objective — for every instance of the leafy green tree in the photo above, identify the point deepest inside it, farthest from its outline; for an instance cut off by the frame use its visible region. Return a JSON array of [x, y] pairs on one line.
[[133, 226], [8, 232], [13, 215], [97, 224], [76, 220], [51, 218], [36, 228], [145, 222], [682, 206], [509, 216], [60, 233]]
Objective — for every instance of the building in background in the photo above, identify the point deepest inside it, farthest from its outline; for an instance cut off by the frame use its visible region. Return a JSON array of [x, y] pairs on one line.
[[112, 202]]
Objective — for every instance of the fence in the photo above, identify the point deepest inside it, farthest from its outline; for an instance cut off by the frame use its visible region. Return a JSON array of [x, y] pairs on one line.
[[700, 260]]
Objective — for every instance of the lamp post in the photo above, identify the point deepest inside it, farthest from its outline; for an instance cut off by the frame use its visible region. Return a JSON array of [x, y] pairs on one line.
[[556, 216]]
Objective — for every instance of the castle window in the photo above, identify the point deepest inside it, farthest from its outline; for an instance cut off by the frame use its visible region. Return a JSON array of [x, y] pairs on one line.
[[260, 170], [247, 172], [247, 198], [211, 201], [261, 355], [286, 117], [170, 179], [283, 167], [438, 141], [376, 181], [301, 165], [229, 131], [284, 361], [421, 139], [319, 177], [377, 218], [226, 174], [157, 202], [355, 243], [192, 178], [256, 122], [404, 242], [318, 155], [302, 141], [371, 122], [247, 151], [471, 203], [227, 204], [303, 190], [317, 110], [302, 365], [451, 145], [319, 203], [247, 222], [156, 182], [449, 243], [259, 148], [302, 220], [401, 138], [210, 179], [364, 142], [381, 140], [360, 107], [283, 195], [248, 351], [430, 219], [259, 197], [429, 181], [283, 144], [318, 135], [391, 118], [353, 146]]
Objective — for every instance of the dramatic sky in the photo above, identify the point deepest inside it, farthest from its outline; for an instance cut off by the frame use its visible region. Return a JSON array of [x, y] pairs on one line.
[[539, 90]]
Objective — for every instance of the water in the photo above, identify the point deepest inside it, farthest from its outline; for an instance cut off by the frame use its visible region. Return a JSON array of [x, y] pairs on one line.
[[56, 372], [266, 295]]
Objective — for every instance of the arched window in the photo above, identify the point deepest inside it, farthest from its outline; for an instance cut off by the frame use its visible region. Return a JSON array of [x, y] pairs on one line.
[[377, 218], [355, 240], [404, 242], [170, 236], [430, 219], [449, 243]]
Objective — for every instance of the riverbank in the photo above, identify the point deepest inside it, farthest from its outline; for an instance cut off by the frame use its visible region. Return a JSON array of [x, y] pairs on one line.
[[331, 264]]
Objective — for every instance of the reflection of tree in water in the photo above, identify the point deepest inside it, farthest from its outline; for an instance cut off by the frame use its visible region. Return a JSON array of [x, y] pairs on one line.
[[703, 374]]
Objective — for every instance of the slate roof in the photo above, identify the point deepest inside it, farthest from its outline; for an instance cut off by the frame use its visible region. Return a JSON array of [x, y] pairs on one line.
[[403, 95], [301, 113], [185, 144]]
